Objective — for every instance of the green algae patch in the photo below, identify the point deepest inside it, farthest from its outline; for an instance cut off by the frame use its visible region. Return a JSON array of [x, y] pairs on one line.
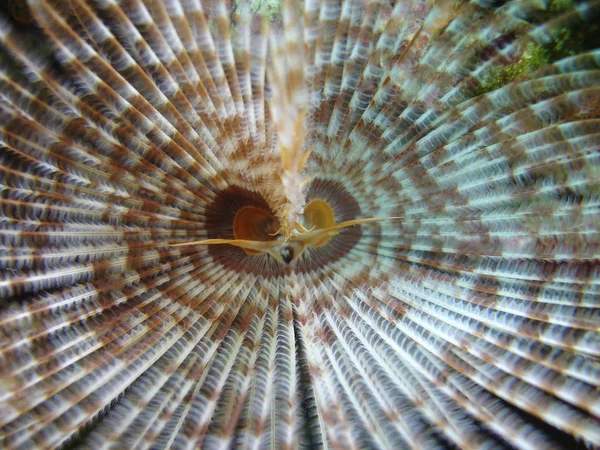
[[563, 43], [560, 5]]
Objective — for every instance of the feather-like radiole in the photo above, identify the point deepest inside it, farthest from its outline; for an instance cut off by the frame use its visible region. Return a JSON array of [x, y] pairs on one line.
[[428, 169]]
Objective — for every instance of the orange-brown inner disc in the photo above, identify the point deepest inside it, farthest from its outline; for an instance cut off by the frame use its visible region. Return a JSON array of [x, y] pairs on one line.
[[254, 224], [318, 214]]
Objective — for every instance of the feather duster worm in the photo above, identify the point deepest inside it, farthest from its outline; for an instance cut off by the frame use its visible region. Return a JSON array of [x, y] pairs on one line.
[[348, 224]]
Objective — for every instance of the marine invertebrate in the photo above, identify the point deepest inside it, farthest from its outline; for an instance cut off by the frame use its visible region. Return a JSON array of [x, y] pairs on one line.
[[470, 319]]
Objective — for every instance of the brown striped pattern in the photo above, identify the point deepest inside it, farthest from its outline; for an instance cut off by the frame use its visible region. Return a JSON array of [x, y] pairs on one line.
[[473, 321]]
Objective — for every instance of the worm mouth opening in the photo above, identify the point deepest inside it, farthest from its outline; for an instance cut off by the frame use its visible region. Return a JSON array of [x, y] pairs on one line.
[[329, 203], [317, 215], [254, 224], [239, 213]]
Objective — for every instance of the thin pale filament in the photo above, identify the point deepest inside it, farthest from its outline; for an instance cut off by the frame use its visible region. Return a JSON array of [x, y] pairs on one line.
[[306, 237]]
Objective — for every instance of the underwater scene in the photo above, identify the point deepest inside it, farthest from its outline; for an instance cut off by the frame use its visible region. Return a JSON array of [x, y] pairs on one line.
[[285, 224]]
